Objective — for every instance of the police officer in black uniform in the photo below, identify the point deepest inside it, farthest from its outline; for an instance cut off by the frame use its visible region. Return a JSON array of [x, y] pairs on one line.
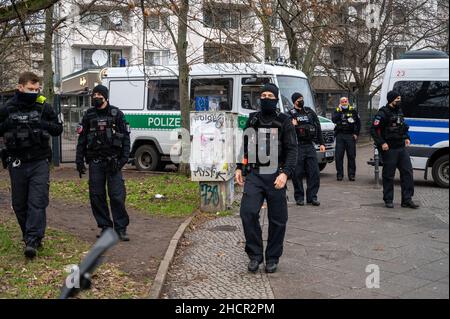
[[104, 143], [348, 126], [307, 127], [390, 133], [266, 179], [26, 123]]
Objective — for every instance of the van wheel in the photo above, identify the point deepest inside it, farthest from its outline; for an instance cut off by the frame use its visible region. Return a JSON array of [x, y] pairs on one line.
[[147, 158], [322, 166], [440, 171]]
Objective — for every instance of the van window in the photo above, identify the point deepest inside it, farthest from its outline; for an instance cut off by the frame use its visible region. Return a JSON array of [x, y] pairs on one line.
[[251, 92], [424, 99], [163, 95], [120, 92], [289, 85], [212, 94]]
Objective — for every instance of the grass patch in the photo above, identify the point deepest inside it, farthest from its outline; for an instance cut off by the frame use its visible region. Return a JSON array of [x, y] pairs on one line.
[[44, 276], [181, 195]]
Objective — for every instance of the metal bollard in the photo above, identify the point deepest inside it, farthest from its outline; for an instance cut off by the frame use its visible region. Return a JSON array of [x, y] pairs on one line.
[[376, 158]]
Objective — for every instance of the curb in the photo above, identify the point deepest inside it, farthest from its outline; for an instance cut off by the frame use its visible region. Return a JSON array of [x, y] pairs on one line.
[[160, 279]]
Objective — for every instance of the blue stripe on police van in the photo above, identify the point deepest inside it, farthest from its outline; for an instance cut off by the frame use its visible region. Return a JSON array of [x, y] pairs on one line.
[[427, 138], [431, 123]]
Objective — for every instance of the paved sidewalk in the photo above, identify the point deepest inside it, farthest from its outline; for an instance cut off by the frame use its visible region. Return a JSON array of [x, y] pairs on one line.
[[328, 248], [214, 265]]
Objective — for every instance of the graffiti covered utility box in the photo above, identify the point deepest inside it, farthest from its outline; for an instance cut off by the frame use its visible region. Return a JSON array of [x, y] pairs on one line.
[[216, 196], [213, 143]]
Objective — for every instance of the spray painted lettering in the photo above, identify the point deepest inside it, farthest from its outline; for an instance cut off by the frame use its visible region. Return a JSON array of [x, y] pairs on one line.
[[211, 172], [210, 195]]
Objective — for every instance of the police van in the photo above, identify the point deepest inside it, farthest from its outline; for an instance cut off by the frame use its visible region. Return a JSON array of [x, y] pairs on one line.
[[421, 77], [150, 101]]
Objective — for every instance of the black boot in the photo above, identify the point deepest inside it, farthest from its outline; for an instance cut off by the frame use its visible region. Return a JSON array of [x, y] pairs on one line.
[[123, 235], [271, 267], [253, 265]]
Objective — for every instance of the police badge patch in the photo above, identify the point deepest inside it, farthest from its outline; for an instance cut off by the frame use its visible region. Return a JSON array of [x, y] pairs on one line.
[[376, 122], [79, 129]]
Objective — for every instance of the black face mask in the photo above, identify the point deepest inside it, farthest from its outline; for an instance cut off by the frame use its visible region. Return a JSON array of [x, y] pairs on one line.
[[300, 104], [27, 98], [269, 106], [97, 102]]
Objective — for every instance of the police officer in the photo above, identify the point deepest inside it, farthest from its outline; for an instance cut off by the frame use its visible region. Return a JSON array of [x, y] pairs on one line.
[[390, 133], [26, 123], [307, 127], [266, 179], [104, 143], [348, 126]]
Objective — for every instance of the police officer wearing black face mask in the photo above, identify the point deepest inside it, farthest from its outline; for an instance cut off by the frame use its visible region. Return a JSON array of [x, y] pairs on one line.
[[104, 143], [307, 127], [390, 133], [266, 179], [26, 124], [348, 126]]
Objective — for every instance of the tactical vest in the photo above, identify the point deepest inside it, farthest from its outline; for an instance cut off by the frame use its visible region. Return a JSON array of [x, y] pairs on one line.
[[268, 130], [395, 128], [103, 139], [346, 124], [305, 128], [26, 131]]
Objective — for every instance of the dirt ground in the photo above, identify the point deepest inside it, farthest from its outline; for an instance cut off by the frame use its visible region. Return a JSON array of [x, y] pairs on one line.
[[150, 236]]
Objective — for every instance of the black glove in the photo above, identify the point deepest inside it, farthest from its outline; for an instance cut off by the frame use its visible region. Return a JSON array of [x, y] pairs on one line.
[[81, 169]]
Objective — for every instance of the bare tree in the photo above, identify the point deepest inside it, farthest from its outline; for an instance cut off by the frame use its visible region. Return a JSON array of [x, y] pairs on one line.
[[356, 48]]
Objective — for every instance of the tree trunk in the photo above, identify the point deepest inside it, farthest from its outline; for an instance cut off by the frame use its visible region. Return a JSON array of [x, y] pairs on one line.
[[290, 36], [362, 101], [267, 38], [183, 69], [48, 65], [309, 63]]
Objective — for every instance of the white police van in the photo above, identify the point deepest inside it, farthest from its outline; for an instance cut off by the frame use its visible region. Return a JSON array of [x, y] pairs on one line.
[[150, 101], [421, 77]]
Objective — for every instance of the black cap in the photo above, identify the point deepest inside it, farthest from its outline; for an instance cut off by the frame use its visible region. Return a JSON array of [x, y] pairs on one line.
[[103, 90], [296, 96], [391, 96], [270, 87]]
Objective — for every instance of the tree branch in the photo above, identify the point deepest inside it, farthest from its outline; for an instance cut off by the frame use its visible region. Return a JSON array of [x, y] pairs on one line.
[[25, 8]]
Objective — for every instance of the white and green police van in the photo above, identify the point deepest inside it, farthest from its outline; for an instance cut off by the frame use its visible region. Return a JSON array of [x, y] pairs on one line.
[[150, 101]]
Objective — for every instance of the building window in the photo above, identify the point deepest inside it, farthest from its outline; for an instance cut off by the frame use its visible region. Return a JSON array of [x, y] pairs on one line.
[[275, 22], [220, 18], [399, 15], [337, 56], [394, 52], [227, 53], [158, 22], [342, 57], [106, 20], [113, 58], [157, 57], [275, 53]]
